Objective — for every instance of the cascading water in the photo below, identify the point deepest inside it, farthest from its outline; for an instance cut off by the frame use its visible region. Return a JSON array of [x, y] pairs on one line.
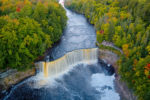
[[78, 81], [70, 59]]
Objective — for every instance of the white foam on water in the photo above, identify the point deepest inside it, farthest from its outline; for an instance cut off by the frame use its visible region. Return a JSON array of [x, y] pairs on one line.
[[110, 95], [41, 81], [101, 82]]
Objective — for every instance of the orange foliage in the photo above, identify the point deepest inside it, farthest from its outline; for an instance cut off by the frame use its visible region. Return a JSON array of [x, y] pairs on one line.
[[135, 62], [109, 14], [19, 5], [18, 9], [56, 5], [27, 2], [147, 67], [149, 77], [46, 4], [15, 21], [133, 81], [102, 31], [125, 50], [147, 70]]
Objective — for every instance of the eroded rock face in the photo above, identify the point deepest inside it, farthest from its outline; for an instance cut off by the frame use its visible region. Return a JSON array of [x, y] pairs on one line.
[[108, 57], [108, 68], [12, 77], [121, 87]]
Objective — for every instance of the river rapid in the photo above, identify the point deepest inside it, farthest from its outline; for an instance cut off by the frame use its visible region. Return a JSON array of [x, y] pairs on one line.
[[82, 82]]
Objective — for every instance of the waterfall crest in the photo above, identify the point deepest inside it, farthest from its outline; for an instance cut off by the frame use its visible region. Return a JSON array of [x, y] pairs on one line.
[[67, 61]]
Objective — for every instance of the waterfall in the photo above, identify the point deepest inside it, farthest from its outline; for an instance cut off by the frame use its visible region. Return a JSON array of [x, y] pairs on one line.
[[67, 61]]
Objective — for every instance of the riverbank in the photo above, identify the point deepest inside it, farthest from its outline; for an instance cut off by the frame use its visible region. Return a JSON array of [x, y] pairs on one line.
[[121, 87], [12, 77]]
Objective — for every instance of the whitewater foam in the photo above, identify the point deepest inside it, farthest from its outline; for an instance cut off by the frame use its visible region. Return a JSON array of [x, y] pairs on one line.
[[105, 85]]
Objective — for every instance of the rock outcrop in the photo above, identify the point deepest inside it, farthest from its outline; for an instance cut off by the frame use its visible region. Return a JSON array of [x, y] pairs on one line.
[[12, 77], [121, 87]]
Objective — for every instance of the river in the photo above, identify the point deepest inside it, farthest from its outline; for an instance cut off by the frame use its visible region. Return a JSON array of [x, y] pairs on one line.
[[82, 82], [79, 34]]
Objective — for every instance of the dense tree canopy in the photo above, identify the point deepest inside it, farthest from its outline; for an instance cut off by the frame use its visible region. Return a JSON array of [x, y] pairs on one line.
[[27, 29], [126, 23]]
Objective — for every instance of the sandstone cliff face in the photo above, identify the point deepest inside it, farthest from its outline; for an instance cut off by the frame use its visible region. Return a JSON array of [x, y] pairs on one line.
[[121, 87], [12, 77]]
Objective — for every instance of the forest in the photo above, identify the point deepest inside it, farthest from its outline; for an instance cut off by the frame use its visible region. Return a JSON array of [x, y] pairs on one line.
[[27, 29], [126, 23]]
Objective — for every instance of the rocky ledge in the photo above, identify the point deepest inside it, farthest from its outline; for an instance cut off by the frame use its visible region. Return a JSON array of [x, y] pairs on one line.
[[121, 87], [12, 77]]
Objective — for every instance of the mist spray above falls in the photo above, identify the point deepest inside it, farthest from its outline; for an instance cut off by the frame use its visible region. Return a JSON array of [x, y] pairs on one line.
[[69, 60]]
